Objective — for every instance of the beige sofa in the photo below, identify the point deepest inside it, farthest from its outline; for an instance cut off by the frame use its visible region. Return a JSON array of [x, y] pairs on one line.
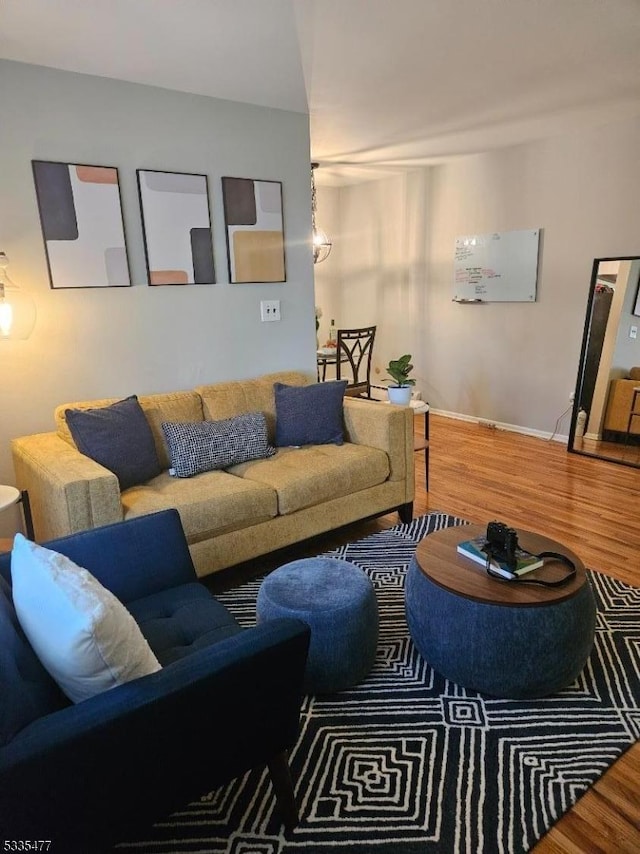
[[245, 511]]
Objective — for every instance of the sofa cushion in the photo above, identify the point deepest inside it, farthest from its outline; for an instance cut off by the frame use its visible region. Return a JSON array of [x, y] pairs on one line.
[[180, 620], [309, 415], [119, 438], [305, 477], [28, 692], [209, 504], [172, 406], [224, 400], [208, 445], [82, 634]]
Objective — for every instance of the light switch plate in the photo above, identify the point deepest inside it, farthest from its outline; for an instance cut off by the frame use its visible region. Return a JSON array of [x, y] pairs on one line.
[[269, 310]]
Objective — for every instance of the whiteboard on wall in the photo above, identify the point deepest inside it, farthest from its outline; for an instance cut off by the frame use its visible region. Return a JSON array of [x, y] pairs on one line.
[[498, 267]]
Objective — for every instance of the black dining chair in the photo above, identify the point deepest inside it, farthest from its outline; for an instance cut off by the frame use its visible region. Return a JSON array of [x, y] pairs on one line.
[[353, 359]]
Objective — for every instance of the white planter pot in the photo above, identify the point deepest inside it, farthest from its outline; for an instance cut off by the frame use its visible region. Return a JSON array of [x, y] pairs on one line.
[[400, 395]]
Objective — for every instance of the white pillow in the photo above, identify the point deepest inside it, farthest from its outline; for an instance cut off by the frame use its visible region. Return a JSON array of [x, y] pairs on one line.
[[80, 631]]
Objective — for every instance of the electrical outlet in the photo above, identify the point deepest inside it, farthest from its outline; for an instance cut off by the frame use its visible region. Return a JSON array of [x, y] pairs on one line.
[[633, 332], [269, 309]]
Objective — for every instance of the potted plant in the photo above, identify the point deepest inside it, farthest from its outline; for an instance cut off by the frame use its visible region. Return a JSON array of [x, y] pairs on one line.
[[399, 390]]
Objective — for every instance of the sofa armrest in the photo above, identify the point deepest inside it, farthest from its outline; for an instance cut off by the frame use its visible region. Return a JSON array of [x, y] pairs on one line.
[[389, 428], [68, 491], [140, 750]]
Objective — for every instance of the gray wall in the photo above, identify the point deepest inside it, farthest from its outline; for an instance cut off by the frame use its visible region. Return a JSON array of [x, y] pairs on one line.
[[513, 363], [99, 342]]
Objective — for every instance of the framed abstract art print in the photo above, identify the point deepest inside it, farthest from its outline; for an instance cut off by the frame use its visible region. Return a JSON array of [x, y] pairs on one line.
[[81, 219], [255, 230], [176, 222]]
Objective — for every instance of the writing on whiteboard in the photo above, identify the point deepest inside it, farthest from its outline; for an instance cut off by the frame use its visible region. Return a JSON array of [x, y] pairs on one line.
[[473, 275]]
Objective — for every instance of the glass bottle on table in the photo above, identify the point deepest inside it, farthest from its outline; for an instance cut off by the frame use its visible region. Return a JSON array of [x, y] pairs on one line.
[[333, 334]]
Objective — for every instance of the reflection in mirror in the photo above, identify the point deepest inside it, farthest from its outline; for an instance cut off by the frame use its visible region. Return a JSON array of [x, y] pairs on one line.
[[606, 413]]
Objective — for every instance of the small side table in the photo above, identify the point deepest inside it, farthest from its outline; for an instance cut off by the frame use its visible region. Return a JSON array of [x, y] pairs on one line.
[[420, 407], [9, 496]]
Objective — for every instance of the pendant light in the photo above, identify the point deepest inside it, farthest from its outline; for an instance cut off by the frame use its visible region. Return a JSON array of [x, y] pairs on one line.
[[17, 308], [321, 243]]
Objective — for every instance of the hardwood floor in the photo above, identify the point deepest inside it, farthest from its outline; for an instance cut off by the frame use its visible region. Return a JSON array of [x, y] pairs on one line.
[[592, 506]]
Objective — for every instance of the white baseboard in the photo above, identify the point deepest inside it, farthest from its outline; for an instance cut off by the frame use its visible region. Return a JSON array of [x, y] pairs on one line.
[[501, 425]]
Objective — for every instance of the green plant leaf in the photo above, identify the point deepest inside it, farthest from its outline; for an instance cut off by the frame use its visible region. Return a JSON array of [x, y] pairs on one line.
[[399, 370]]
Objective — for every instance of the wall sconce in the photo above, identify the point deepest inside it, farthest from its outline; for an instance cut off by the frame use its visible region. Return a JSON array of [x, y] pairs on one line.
[[17, 308], [321, 243]]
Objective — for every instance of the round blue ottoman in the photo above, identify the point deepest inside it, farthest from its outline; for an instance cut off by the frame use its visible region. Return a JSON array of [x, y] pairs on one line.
[[337, 601], [495, 637]]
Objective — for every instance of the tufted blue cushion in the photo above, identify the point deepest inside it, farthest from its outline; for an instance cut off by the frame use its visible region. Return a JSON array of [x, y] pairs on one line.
[[119, 438], [27, 692], [179, 620], [310, 414], [337, 601]]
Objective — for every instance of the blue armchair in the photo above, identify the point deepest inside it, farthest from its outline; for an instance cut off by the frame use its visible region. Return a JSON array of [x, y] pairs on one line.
[[227, 699]]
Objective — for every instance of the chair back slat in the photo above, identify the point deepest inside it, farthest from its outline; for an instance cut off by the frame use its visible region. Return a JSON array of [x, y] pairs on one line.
[[355, 349]]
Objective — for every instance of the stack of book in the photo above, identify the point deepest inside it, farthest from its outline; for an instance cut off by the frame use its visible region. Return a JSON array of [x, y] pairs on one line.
[[474, 549]]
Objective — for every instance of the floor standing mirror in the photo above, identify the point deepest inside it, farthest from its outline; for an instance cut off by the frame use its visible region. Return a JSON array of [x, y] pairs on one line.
[[605, 421]]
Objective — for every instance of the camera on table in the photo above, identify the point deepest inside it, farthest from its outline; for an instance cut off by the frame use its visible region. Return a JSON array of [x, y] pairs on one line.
[[502, 543]]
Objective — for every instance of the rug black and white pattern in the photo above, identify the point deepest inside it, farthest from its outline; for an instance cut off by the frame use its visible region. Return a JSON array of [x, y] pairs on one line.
[[409, 762]]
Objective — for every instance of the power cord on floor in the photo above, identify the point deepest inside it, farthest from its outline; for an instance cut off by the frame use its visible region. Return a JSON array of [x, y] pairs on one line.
[[560, 417]]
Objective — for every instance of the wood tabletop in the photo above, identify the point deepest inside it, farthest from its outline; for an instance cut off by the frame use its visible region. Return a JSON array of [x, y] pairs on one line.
[[438, 559]]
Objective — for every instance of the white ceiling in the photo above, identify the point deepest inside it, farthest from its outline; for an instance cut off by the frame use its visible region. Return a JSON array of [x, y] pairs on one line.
[[387, 83]]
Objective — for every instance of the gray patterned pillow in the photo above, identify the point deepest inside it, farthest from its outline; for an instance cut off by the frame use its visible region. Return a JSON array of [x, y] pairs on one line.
[[200, 446]]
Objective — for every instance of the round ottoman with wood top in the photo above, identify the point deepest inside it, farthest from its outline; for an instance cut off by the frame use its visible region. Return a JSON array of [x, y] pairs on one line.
[[337, 601], [504, 639]]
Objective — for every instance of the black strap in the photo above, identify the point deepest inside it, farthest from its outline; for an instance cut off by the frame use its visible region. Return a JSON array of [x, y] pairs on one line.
[[551, 556]]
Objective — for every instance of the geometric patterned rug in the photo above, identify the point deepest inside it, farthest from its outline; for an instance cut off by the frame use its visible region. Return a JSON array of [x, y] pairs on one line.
[[411, 763]]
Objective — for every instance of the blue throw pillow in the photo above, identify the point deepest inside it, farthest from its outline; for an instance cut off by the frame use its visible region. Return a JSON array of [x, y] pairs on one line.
[[309, 414], [200, 446], [119, 438]]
